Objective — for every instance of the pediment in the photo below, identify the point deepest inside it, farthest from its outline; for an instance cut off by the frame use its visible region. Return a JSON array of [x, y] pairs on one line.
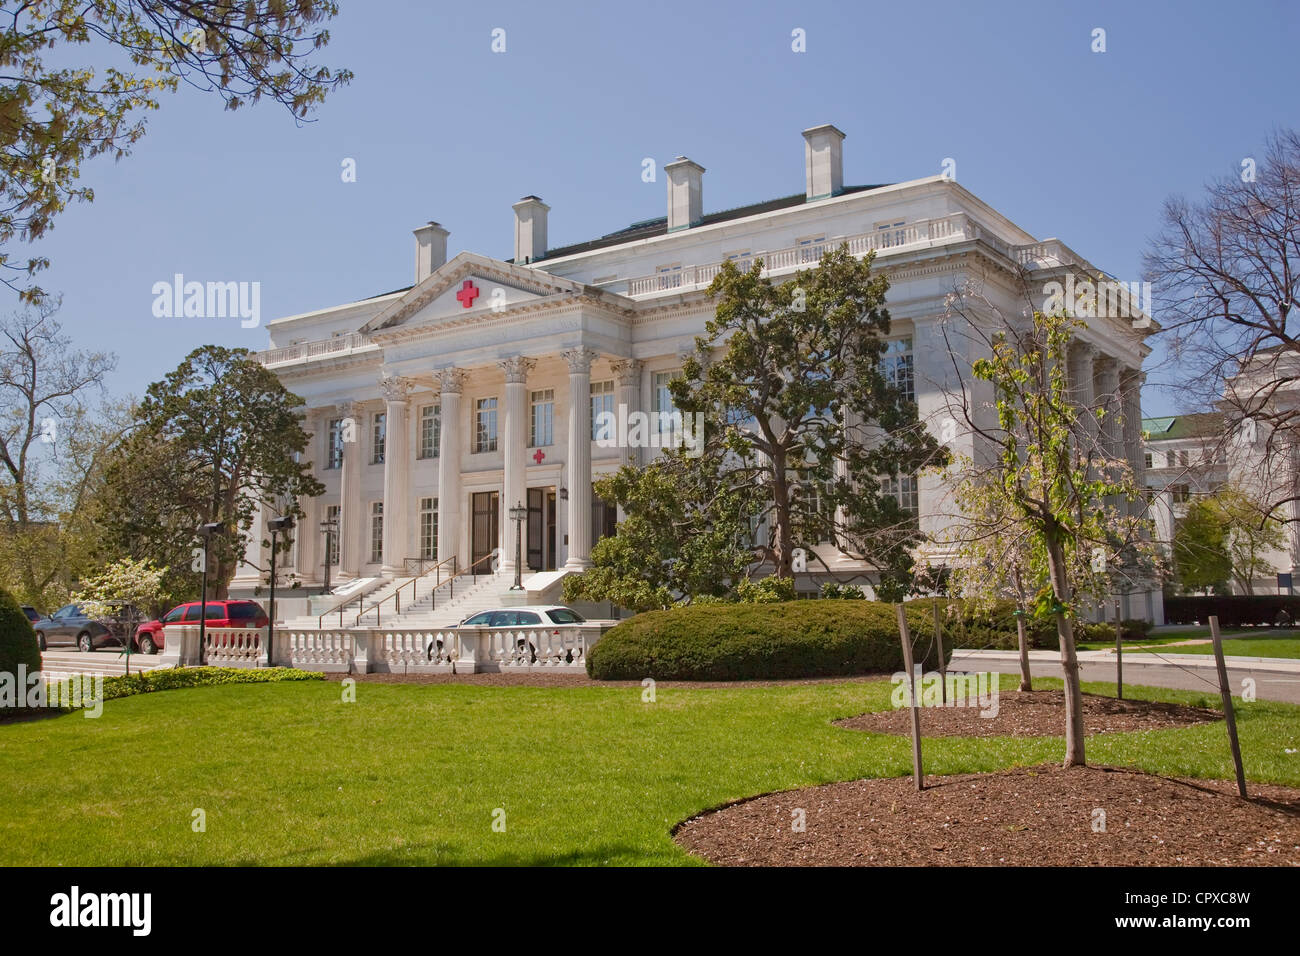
[[469, 286]]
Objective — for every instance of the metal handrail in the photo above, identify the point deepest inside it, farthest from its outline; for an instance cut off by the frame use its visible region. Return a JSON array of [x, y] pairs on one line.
[[450, 583], [396, 596], [320, 621]]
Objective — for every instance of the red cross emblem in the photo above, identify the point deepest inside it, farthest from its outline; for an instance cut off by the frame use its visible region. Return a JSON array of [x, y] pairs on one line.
[[538, 456], [468, 293]]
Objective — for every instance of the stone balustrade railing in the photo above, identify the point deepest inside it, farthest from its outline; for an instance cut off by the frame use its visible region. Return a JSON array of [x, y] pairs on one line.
[[364, 650]]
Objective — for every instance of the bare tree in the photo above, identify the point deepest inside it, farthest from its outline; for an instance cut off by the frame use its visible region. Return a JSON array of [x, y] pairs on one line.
[[1225, 273], [44, 388]]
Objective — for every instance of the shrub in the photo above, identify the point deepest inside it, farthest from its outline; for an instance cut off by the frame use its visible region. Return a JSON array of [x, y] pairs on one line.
[[768, 590], [817, 638], [174, 678], [1233, 610], [834, 591], [993, 627], [18, 644]]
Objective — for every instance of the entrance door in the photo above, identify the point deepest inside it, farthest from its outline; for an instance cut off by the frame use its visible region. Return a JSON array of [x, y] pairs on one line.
[[541, 529], [483, 535]]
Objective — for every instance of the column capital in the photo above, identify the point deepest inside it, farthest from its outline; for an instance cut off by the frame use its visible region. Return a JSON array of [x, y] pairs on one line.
[[580, 360], [395, 388], [517, 368], [627, 372], [450, 380], [347, 408]]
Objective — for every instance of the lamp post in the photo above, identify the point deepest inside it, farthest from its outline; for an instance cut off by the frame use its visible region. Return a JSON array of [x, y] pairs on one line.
[[517, 514], [275, 526], [329, 526], [205, 531]]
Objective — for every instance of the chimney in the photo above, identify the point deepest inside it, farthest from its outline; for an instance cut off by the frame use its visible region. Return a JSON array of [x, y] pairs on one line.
[[685, 193], [430, 250], [530, 229], [823, 161]]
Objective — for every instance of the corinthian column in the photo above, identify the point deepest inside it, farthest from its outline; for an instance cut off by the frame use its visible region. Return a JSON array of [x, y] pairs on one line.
[[513, 454], [627, 382], [579, 469], [397, 470], [1079, 361], [451, 382], [351, 520]]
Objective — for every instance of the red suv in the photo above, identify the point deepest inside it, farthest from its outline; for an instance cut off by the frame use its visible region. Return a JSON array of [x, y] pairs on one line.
[[149, 636]]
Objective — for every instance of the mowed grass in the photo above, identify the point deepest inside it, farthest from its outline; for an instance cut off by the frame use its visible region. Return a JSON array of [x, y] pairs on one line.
[[1283, 646], [289, 774]]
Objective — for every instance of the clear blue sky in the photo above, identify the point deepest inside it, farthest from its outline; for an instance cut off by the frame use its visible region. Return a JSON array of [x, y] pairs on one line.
[[1067, 142]]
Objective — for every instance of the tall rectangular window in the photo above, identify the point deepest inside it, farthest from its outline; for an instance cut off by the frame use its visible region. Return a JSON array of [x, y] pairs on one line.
[[667, 417], [332, 516], [896, 364], [334, 444], [378, 437], [429, 529], [430, 430], [376, 532], [541, 428], [485, 425], [602, 401], [902, 488]]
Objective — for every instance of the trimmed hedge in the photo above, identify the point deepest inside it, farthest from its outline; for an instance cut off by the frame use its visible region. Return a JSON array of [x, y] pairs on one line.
[[18, 644], [174, 678], [1233, 610], [815, 638]]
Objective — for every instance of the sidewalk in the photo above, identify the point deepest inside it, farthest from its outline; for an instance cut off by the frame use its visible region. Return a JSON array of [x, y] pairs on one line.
[[1275, 678]]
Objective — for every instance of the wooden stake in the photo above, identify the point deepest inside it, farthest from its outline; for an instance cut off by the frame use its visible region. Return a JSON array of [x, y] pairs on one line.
[[1226, 693], [938, 642], [906, 637], [1119, 655]]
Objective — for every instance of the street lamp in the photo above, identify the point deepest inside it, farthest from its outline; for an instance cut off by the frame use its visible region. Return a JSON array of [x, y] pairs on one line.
[[206, 531], [329, 526], [517, 514], [275, 526]]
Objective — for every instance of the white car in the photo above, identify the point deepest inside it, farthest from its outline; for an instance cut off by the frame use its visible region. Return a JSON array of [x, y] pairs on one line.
[[552, 615]]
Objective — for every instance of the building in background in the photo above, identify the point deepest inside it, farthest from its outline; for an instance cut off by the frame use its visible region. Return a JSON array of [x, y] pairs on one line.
[[437, 408]]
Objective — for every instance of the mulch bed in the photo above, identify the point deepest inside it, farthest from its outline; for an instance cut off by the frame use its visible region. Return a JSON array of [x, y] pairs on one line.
[[1027, 817], [1039, 713]]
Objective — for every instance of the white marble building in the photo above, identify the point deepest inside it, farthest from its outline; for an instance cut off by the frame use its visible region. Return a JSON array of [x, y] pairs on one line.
[[436, 408]]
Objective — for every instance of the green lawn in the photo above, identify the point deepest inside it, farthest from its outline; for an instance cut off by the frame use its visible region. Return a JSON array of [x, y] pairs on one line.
[[289, 774], [1282, 646]]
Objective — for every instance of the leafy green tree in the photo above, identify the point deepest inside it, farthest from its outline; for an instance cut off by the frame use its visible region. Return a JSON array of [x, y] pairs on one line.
[[1200, 549], [219, 438], [1049, 481], [682, 537], [1253, 532], [813, 416], [54, 116]]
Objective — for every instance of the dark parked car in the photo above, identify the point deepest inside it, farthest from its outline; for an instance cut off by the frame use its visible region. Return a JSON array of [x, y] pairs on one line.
[[33, 615], [149, 638], [70, 625]]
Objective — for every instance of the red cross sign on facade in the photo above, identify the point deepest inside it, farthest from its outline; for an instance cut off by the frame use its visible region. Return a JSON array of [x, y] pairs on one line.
[[468, 293], [538, 456]]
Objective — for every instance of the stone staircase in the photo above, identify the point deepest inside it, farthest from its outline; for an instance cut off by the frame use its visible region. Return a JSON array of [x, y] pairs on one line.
[[446, 606]]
